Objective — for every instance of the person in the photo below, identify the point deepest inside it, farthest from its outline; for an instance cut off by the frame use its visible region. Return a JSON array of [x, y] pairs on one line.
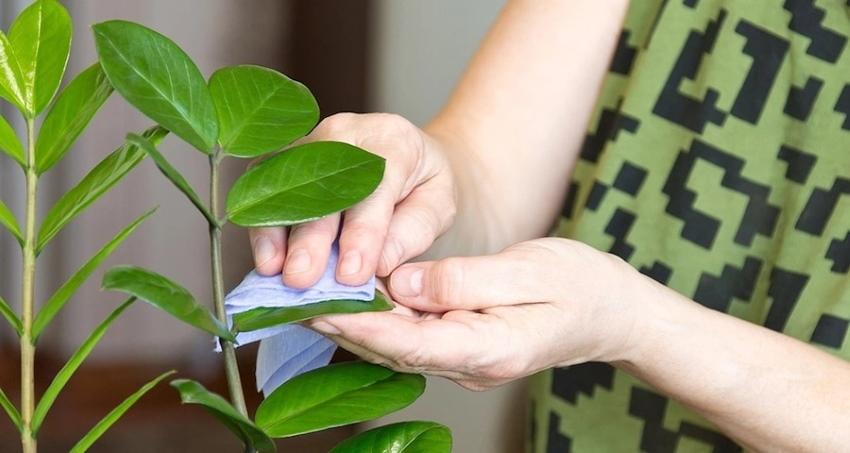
[[698, 297]]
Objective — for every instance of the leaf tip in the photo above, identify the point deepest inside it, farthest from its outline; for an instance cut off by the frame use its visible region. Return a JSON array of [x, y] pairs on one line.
[[178, 382]]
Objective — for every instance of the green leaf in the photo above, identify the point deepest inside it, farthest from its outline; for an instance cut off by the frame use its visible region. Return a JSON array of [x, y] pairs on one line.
[[405, 437], [171, 173], [260, 110], [97, 182], [336, 395], [10, 144], [10, 409], [192, 392], [71, 366], [260, 318], [304, 183], [70, 116], [159, 79], [7, 219], [11, 75], [41, 39], [64, 293], [106, 422], [10, 316], [166, 295]]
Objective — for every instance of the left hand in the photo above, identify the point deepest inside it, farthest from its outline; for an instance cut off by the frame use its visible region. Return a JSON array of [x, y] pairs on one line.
[[486, 321]]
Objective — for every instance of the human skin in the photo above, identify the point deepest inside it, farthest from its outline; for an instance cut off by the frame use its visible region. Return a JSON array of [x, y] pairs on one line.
[[492, 170]]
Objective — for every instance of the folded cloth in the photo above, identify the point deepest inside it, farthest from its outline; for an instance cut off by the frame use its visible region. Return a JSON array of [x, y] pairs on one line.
[[290, 349]]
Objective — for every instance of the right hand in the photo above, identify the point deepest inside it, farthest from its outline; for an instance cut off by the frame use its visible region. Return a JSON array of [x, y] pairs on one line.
[[414, 204]]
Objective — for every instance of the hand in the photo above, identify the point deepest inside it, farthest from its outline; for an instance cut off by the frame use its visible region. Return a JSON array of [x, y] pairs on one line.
[[485, 321], [413, 205]]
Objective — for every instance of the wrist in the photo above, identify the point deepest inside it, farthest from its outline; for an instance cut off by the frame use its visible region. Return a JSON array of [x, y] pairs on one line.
[[661, 317], [634, 306], [607, 304], [476, 229]]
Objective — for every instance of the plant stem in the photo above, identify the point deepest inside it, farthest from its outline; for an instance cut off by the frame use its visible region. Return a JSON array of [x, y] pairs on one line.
[[231, 367], [28, 442]]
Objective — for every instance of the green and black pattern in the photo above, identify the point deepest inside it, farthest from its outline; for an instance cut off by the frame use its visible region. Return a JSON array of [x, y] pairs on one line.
[[718, 163]]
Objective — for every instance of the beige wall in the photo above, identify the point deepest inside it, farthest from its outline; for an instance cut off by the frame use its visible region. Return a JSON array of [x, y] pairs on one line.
[[422, 48]]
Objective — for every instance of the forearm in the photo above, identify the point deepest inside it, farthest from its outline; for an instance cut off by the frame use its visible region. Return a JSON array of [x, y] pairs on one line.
[[514, 125], [764, 389]]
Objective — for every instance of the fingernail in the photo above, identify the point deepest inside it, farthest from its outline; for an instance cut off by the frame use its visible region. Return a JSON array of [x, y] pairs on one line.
[[264, 250], [351, 263], [407, 282], [324, 327], [298, 262]]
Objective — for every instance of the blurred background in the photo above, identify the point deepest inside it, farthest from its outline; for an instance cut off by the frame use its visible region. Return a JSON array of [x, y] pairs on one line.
[[401, 56]]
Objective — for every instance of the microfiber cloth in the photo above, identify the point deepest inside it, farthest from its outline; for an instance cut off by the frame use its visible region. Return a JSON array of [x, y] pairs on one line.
[[290, 349]]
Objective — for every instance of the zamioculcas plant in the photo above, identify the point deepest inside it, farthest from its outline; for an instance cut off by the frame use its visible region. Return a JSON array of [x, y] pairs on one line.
[[249, 112], [33, 58]]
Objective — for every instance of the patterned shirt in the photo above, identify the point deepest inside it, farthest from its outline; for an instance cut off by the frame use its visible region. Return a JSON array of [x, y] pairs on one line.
[[717, 163]]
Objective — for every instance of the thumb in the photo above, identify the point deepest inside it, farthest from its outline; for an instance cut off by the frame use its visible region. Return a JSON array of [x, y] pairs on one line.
[[509, 278]]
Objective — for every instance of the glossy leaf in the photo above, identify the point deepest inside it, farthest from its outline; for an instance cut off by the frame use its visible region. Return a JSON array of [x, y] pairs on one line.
[[41, 38], [166, 295], [260, 110], [64, 293], [171, 173], [304, 183], [7, 219], [10, 143], [336, 395], [405, 437], [192, 392], [10, 409], [106, 422], [11, 75], [97, 182], [158, 78], [70, 116], [260, 318], [71, 366], [10, 316]]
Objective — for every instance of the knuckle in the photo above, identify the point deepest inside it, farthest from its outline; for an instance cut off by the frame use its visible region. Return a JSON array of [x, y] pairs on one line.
[[546, 252], [383, 198], [395, 135], [447, 280], [359, 227], [392, 254], [426, 223], [393, 121], [336, 124], [355, 233], [615, 260]]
